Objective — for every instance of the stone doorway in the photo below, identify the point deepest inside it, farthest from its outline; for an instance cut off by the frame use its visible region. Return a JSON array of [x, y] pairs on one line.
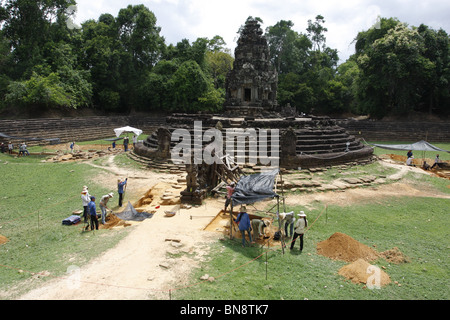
[[247, 94]]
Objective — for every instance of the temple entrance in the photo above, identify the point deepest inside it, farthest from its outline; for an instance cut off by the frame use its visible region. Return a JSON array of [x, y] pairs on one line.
[[247, 95]]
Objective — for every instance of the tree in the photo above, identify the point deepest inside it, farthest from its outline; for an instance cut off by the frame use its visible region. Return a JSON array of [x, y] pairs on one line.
[[139, 36], [189, 83], [288, 49], [316, 32], [100, 54], [27, 24], [393, 72], [436, 90]]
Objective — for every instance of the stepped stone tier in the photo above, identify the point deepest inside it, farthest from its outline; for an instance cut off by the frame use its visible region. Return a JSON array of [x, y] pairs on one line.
[[304, 142], [251, 91]]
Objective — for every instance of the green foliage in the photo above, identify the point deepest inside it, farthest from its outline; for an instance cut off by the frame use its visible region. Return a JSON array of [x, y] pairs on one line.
[[402, 69], [41, 91], [188, 84], [123, 63]]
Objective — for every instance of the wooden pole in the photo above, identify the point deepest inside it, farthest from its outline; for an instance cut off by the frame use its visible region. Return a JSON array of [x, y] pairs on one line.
[[266, 256], [231, 220], [279, 225]]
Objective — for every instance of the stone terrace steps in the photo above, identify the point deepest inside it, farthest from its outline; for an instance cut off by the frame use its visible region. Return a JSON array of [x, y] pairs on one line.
[[398, 131], [74, 129], [168, 166]]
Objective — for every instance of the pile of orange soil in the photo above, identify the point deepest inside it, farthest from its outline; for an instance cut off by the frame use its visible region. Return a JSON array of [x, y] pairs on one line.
[[112, 221], [360, 271], [343, 247], [3, 239], [394, 255]]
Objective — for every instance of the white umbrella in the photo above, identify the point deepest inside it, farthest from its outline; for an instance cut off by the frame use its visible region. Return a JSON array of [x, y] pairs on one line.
[[119, 131]]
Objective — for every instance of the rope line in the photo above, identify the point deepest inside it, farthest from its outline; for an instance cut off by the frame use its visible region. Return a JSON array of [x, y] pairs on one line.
[[166, 290]]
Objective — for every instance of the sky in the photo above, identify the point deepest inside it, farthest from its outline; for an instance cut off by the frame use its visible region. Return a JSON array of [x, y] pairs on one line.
[[192, 19]]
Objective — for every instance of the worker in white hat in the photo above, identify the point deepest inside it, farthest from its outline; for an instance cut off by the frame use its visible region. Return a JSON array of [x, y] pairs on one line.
[[258, 227], [103, 205], [300, 228], [85, 199]]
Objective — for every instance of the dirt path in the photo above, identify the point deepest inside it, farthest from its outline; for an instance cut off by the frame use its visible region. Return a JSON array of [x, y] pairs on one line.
[[146, 266], [143, 265]]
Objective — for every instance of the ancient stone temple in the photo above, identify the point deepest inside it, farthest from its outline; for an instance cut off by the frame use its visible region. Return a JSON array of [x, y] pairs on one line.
[[251, 86], [304, 141]]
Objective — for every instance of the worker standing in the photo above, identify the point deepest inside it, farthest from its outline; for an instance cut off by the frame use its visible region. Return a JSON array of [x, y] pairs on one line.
[[243, 221], [120, 189], [300, 226], [85, 199], [230, 191], [93, 214]]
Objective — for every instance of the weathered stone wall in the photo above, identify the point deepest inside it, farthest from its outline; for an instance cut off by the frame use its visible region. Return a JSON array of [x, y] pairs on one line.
[[397, 130], [75, 129]]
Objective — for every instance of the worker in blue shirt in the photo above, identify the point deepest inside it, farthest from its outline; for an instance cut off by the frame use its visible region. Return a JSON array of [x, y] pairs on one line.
[[93, 213], [120, 189], [243, 221]]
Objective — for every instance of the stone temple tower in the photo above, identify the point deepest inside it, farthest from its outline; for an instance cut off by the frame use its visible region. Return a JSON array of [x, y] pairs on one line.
[[251, 86]]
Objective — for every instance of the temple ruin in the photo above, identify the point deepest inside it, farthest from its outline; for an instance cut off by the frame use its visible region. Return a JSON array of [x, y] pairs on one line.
[[251, 86], [304, 141]]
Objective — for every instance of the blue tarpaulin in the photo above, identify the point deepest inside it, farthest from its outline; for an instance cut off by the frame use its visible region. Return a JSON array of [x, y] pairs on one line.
[[254, 188]]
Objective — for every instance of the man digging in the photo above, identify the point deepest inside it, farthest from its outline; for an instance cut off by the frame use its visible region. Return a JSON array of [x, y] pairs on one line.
[[103, 205]]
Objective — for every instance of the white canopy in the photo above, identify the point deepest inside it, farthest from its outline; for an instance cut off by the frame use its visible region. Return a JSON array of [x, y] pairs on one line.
[[119, 131]]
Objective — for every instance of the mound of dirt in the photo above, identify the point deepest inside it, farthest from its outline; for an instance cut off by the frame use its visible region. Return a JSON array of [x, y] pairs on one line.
[[3, 239], [343, 247], [360, 270], [112, 221], [394, 255]]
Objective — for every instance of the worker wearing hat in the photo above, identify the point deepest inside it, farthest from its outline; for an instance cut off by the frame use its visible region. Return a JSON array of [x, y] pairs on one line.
[[104, 205], [244, 225], [258, 227], [300, 228], [85, 199]]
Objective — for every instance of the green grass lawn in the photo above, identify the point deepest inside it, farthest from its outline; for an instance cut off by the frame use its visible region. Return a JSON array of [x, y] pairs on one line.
[[417, 226], [38, 196]]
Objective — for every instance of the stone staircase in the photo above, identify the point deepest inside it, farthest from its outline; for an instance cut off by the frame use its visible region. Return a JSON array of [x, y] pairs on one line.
[[321, 141]]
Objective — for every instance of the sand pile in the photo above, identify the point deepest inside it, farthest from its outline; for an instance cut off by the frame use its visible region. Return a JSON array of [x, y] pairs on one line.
[[343, 247], [3, 239], [394, 255], [112, 221], [360, 270]]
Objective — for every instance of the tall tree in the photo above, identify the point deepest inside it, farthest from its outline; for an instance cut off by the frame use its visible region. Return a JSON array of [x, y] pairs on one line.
[[288, 49], [316, 32], [436, 90], [393, 71], [27, 25]]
